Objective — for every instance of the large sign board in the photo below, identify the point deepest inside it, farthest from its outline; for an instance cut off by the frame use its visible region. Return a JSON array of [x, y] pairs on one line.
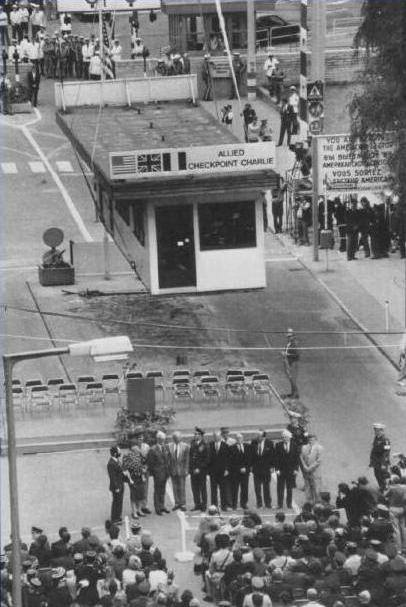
[[342, 168], [203, 160], [82, 6]]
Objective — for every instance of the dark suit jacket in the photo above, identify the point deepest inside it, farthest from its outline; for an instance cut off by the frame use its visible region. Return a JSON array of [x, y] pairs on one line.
[[198, 456], [115, 474], [158, 461], [33, 82], [261, 464], [286, 462], [240, 460], [218, 462]]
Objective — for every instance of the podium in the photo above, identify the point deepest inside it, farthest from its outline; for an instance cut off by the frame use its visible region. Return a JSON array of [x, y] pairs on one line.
[[141, 395]]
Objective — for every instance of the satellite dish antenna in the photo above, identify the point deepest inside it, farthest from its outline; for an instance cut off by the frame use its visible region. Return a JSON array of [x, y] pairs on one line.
[[53, 237]]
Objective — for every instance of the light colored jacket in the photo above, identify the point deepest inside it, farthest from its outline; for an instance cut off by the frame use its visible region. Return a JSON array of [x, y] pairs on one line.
[[178, 461]]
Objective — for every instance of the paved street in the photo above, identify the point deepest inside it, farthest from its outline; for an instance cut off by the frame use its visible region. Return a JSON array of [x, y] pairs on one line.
[[345, 382]]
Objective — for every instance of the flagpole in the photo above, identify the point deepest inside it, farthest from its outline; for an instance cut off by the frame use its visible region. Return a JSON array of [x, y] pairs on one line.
[[101, 43]]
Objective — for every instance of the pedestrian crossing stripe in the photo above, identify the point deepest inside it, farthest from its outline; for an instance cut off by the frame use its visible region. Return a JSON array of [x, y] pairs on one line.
[[64, 166], [9, 168], [37, 167]]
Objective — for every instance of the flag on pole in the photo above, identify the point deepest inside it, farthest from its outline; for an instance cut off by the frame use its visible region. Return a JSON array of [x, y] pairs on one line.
[[107, 65]]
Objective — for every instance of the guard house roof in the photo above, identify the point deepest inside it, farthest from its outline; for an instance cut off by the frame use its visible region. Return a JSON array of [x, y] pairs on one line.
[[119, 129], [192, 7]]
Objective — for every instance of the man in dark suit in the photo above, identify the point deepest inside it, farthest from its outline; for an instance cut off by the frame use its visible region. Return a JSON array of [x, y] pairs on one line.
[[198, 467], [286, 464], [116, 487], [240, 463], [219, 470], [34, 78], [262, 458], [158, 466]]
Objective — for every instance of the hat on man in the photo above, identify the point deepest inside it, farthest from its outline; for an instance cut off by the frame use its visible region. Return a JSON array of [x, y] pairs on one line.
[[378, 426], [199, 431], [257, 582], [58, 573], [292, 88], [78, 557], [294, 414], [36, 582], [382, 508], [286, 434], [364, 597], [36, 530]]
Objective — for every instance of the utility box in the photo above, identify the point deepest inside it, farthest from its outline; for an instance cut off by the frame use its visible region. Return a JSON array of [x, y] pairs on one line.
[[326, 239]]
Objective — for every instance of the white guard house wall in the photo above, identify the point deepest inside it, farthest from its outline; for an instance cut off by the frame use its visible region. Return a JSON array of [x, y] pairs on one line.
[[126, 222], [216, 270]]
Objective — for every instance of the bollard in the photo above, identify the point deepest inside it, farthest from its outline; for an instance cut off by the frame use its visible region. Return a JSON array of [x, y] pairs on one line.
[[387, 316]]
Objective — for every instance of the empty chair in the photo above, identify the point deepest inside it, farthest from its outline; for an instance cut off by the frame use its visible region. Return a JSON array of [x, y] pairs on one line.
[[111, 384], [16, 383], [234, 372], [53, 386], [94, 394], [235, 386], [181, 373], [19, 399], [30, 383], [68, 395], [82, 382], [40, 398], [210, 386], [182, 388], [134, 375], [201, 373], [261, 384], [154, 374]]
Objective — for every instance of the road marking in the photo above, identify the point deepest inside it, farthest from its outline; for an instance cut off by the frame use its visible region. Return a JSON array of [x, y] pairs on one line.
[[9, 168], [65, 195], [15, 151], [64, 166], [279, 259], [37, 167]]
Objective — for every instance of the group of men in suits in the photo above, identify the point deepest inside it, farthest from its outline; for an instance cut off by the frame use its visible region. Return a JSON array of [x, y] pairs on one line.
[[228, 463]]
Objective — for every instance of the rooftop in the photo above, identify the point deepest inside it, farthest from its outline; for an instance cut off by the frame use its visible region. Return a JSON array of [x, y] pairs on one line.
[[142, 127]]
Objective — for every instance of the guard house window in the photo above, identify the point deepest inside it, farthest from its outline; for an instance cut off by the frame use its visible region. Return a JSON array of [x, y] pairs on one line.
[[123, 209], [138, 222], [227, 225]]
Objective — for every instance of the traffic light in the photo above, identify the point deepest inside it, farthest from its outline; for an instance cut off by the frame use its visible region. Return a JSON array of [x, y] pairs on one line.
[[152, 16]]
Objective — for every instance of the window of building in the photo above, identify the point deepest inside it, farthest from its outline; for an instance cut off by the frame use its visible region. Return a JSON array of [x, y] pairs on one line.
[[123, 209], [227, 225], [138, 222]]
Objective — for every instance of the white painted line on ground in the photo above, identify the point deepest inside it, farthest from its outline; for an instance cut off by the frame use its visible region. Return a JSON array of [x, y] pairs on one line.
[[278, 259], [65, 195], [17, 268], [64, 166], [15, 151], [37, 167], [9, 168]]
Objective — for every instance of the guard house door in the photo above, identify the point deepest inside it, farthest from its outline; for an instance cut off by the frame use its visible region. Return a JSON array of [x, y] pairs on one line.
[[176, 246]]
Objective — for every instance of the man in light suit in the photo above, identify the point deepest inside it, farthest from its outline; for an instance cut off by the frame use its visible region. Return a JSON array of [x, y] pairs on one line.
[[310, 463], [178, 469], [158, 466]]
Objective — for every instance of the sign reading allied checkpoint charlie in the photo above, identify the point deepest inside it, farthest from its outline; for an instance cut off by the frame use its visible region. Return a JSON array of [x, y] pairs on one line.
[[342, 168], [197, 160]]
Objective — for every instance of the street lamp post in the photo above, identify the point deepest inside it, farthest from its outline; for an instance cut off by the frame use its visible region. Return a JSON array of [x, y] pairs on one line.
[[110, 348]]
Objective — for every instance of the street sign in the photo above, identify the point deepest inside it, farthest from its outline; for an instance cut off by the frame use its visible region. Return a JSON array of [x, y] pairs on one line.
[[342, 168], [87, 6], [315, 106]]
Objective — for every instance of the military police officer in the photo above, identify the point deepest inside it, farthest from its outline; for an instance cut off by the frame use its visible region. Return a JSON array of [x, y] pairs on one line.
[[198, 464], [380, 455]]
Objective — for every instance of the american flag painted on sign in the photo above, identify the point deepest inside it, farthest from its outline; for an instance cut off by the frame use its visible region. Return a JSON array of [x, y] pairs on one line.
[[123, 164], [107, 66]]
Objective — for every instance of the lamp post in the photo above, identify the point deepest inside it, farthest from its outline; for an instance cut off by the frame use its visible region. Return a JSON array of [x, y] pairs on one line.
[[109, 348]]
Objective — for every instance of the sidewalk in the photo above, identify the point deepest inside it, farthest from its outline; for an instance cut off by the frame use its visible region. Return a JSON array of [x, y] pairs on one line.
[[371, 292]]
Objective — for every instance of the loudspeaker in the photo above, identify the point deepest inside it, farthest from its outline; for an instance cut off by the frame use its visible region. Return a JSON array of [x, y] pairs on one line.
[[141, 395]]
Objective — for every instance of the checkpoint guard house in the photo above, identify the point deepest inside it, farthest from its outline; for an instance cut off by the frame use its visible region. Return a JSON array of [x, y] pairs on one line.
[[179, 194]]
